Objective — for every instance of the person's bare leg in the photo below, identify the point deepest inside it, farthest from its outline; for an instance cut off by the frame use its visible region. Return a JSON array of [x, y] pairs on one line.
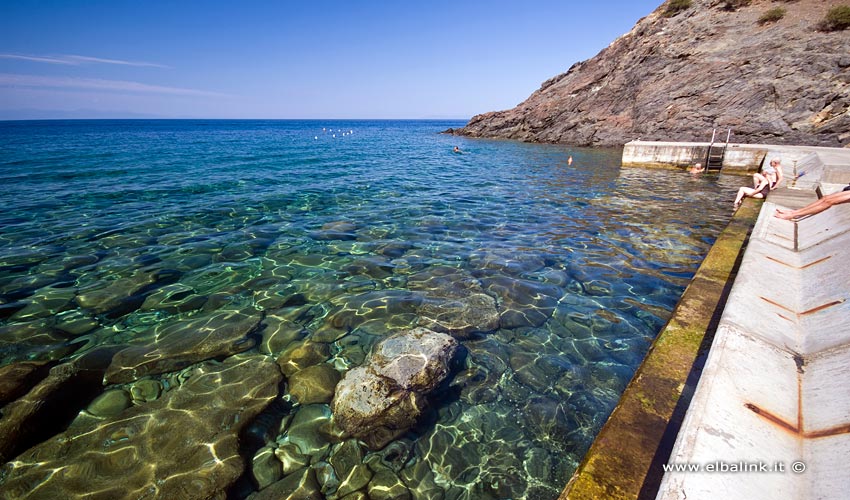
[[812, 208], [815, 207], [742, 192]]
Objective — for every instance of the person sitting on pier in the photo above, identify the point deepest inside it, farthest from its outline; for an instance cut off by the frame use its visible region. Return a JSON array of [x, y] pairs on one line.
[[815, 207], [762, 187], [773, 172]]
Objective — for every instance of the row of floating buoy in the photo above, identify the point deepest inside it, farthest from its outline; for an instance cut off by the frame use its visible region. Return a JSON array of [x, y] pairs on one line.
[[330, 131]]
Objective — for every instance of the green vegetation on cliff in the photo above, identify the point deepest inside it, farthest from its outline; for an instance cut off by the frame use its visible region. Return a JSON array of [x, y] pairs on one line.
[[772, 15], [837, 19]]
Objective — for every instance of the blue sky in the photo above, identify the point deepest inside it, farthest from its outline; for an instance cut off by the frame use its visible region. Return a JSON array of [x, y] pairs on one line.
[[292, 59]]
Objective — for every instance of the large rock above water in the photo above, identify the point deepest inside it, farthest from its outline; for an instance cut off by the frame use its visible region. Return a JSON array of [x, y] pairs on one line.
[[379, 401], [677, 78], [184, 445]]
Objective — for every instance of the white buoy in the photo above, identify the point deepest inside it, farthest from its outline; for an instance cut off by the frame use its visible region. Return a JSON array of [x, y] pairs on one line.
[[316, 137]]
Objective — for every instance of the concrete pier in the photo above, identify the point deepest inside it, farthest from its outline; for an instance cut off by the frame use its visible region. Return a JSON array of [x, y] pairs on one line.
[[738, 158], [770, 415]]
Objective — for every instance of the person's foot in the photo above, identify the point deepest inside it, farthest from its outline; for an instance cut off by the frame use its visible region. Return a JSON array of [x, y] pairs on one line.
[[782, 214]]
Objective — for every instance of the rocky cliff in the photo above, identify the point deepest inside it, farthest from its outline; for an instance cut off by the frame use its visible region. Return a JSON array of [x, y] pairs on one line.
[[715, 64]]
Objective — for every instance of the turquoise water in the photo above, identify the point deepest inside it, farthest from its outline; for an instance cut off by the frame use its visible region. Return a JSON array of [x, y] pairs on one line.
[[332, 235]]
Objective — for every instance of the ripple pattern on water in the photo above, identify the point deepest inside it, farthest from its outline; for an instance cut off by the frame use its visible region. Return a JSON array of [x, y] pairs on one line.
[[183, 243]]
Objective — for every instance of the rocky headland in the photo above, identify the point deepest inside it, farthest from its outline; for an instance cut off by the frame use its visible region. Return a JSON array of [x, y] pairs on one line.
[[679, 73]]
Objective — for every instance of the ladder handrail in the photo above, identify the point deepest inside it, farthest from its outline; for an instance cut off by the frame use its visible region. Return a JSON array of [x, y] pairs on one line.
[[728, 135], [708, 152]]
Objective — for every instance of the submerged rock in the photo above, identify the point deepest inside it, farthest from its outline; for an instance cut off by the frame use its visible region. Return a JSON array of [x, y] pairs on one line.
[[17, 378], [46, 302], [174, 298], [33, 340], [300, 485], [145, 390], [454, 302], [382, 306], [346, 456], [328, 480], [338, 230], [387, 486], [278, 333], [265, 467], [110, 403], [381, 400], [184, 445], [303, 355], [421, 481], [372, 267], [53, 402], [118, 297], [75, 322], [314, 384], [182, 344], [308, 430], [356, 479], [522, 302], [550, 419], [291, 458]]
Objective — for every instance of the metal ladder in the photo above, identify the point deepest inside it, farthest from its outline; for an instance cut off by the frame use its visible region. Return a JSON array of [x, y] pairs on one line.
[[714, 155]]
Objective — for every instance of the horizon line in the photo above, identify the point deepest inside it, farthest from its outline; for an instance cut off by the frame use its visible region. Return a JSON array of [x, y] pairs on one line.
[[225, 119]]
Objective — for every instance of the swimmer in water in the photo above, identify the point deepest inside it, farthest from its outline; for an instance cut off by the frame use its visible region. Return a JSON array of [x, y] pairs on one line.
[[697, 168]]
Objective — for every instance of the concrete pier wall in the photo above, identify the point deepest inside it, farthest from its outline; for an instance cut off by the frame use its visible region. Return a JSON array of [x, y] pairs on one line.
[[772, 397], [663, 154], [738, 158]]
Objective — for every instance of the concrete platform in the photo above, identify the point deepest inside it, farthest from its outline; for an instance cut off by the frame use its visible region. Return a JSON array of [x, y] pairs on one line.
[[765, 413], [772, 407]]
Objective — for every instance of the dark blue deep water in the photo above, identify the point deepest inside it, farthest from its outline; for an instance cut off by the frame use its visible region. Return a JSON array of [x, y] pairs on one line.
[[332, 235]]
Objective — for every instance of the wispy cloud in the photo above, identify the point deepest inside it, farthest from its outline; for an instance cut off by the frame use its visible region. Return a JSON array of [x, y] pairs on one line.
[[76, 60], [61, 82]]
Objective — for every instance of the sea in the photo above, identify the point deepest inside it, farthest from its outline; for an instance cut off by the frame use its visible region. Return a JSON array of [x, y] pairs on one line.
[[325, 237]]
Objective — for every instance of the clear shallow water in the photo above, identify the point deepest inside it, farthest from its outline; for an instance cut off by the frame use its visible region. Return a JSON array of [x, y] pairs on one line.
[[125, 232]]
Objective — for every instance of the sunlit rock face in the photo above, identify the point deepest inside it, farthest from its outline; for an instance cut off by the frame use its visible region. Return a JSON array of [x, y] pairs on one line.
[[142, 451], [675, 78], [379, 401]]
